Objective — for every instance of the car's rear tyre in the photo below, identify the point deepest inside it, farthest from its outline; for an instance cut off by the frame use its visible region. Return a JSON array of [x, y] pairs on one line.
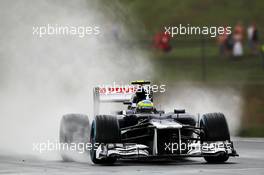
[[74, 128], [215, 128], [105, 129]]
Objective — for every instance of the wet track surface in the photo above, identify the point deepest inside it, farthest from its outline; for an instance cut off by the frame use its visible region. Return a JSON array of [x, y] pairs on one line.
[[250, 161]]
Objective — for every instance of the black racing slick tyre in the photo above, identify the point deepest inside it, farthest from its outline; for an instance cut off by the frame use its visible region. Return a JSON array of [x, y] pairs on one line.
[[105, 129], [215, 128], [74, 129]]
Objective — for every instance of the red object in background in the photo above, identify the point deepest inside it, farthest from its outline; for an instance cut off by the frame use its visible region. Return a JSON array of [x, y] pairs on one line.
[[223, 37], [238, 32], [162, 41]]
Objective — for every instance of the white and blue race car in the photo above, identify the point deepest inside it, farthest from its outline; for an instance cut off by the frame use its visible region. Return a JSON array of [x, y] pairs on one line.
[[142, 132]]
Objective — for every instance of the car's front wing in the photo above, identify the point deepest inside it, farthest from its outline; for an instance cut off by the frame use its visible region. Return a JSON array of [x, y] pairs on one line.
[[138, 151]]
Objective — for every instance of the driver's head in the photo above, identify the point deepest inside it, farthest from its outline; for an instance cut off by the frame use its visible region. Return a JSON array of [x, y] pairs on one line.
[[145, 106]]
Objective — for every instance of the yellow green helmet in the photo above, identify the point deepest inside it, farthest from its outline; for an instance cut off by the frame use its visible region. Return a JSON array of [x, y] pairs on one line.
[[145, 106]]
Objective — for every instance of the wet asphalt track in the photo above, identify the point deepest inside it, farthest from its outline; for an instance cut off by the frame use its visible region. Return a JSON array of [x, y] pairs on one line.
[[250, 162]]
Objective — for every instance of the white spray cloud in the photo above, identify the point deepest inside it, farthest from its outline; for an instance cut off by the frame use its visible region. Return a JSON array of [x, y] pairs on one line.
[[43, 78], [202, 99]]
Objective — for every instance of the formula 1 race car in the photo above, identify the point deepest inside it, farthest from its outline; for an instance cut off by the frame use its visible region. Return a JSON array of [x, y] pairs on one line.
[[142, 132]]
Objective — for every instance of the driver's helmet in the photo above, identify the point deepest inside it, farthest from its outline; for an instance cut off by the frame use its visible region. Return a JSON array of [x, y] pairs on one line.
[[145, 106]]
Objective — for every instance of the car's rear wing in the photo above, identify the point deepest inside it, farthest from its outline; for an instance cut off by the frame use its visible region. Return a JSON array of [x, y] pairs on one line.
[[112, 94]]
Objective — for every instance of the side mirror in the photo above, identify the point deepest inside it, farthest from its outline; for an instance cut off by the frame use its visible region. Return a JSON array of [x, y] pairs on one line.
[[179, 111]]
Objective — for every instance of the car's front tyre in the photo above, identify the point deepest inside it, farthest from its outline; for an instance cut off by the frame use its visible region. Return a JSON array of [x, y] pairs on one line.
[[215, 128], [105, 129]]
